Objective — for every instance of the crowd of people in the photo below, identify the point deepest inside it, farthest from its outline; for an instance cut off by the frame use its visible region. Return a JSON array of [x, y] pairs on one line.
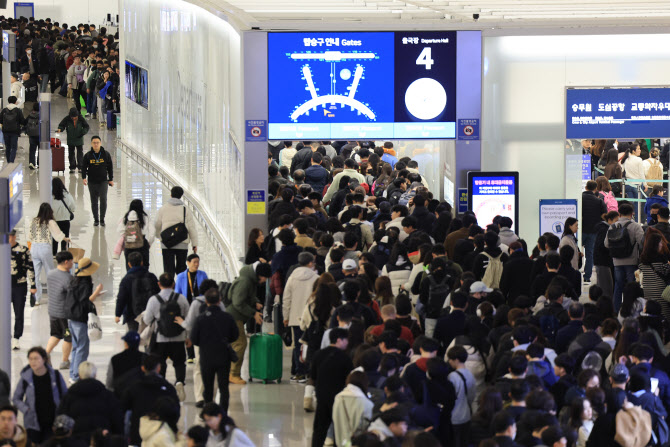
[[414, 327]]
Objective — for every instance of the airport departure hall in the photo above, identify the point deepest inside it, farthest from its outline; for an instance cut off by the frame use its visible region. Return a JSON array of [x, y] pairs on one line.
[[346, 223]]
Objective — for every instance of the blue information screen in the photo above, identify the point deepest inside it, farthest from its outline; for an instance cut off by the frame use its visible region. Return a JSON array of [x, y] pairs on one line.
[[369, 85], [494, 194], [618, 113]]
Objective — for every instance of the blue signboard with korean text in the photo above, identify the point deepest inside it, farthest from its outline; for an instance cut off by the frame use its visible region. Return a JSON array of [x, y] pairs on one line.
[[468, 129], [617, 113], [462, 200]]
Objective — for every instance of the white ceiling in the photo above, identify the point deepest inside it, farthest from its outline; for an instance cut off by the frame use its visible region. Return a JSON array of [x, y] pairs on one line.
[[452, 14]]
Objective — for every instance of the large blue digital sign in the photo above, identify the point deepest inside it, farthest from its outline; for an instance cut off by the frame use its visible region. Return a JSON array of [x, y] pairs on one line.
[[369, 85], [618, 113]]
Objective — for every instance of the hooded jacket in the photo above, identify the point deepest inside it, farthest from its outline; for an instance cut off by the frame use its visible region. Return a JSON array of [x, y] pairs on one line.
[[159, 434], [92, 406], [242, 294], [24, 395], [507, 236], [296, 293], [75, 132], [379, 428], [12, 124], [124, 300], [351, 410]]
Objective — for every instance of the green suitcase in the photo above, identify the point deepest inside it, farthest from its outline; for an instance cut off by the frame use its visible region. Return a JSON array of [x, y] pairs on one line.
[[265, 357]]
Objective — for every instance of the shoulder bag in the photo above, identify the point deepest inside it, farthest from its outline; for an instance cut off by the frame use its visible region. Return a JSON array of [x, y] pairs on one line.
[[175, 234], [67, 208]]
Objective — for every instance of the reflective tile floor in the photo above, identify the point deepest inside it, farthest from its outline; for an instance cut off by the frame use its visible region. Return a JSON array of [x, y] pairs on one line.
[[271, 415]]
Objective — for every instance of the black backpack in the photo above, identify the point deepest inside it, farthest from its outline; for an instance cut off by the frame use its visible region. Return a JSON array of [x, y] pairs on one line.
[[394, 198], [549, 325], [33, 126], [437, 294], [619, 242], [168, 311], [355, 229], [10, 120], [142, 289]]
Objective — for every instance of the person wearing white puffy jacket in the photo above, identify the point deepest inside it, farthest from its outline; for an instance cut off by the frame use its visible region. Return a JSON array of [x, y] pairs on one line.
[[126, 228], [352, 408]]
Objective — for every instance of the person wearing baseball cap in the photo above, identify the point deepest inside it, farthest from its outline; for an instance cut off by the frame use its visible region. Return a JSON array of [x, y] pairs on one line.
[[349, 270], [478, 292], [63, 426], [130, 358]]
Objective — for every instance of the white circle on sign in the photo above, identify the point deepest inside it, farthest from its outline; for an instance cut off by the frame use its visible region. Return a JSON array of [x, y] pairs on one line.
[[468, 130], [345, 74], [425, 98], [256, 131]]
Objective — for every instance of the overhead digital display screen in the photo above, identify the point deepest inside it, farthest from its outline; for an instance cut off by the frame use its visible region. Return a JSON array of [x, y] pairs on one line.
[[492, 194], [618, 113], [369, 85]]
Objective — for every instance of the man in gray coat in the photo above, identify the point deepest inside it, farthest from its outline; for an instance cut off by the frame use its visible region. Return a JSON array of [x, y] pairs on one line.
[[624, 267], [172, 213]]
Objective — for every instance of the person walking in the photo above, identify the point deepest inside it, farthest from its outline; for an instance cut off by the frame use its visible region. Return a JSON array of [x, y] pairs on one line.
[[169, 216], [137, 231], [135, 290], [32, 129], [76, 127], [124, 363], [212, 333], [23, 275], [97, 165], [43, 229], [76, 82], [296, 295], [165, 308], [243, 306], [17, 90], [64, 208], [12, 121], [593, 207], [78, 304], [37, 395], [31, 92], [58, 281]]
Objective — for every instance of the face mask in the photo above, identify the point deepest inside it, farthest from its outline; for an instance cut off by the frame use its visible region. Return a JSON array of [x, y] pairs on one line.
[[28, 52], [95, 46]]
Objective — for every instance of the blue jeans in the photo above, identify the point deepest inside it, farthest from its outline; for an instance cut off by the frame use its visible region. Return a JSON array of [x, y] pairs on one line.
[[80, 344], [45, 82], [589, 242], [42, 260], [91, 102], [623, 274], [11, 143], [631, 193]]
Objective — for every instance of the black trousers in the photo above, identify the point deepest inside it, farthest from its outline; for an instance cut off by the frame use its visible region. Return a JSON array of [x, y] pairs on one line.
[[75, 155], [133, 325], [208, 374], [19, 292], [174, 260], [98, 191], [322, 420], [175, 351], [64, 226]]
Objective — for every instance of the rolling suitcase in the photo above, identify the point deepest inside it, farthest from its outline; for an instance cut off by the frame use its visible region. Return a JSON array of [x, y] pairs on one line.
[[57, 156], [265, 357], [111, 120]]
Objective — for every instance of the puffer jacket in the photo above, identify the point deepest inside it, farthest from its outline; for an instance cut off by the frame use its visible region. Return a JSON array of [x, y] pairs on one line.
[[352, 410], [92, 406], [242, 294], [159, 434], [24, 395], [398, 274], [296, 293]]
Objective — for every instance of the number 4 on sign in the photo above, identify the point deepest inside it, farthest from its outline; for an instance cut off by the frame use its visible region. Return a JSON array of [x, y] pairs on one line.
[[425, 59]]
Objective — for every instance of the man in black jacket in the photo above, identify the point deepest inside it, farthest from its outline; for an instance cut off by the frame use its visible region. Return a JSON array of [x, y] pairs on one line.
[[424, 218], [140, 397], [452, 325], [663, 226], [12, 121], [515, 279], [139, 284], [316, 175], [303, 158], [32, 90], [212, 333], [124, 362], [97, 165], [593, 207]]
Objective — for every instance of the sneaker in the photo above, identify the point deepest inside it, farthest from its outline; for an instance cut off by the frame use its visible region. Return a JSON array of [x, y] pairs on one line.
[[64, 365], [181, 394], [308, 404], [72, 171], [102, 222], [299, 379], [96, 223], [200, 404], [15, 344], [236, 380], [73, 381], [31, 166], [190, 361]]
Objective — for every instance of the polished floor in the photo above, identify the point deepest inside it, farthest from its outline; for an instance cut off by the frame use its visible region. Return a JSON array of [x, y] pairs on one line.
[[271, 414]]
